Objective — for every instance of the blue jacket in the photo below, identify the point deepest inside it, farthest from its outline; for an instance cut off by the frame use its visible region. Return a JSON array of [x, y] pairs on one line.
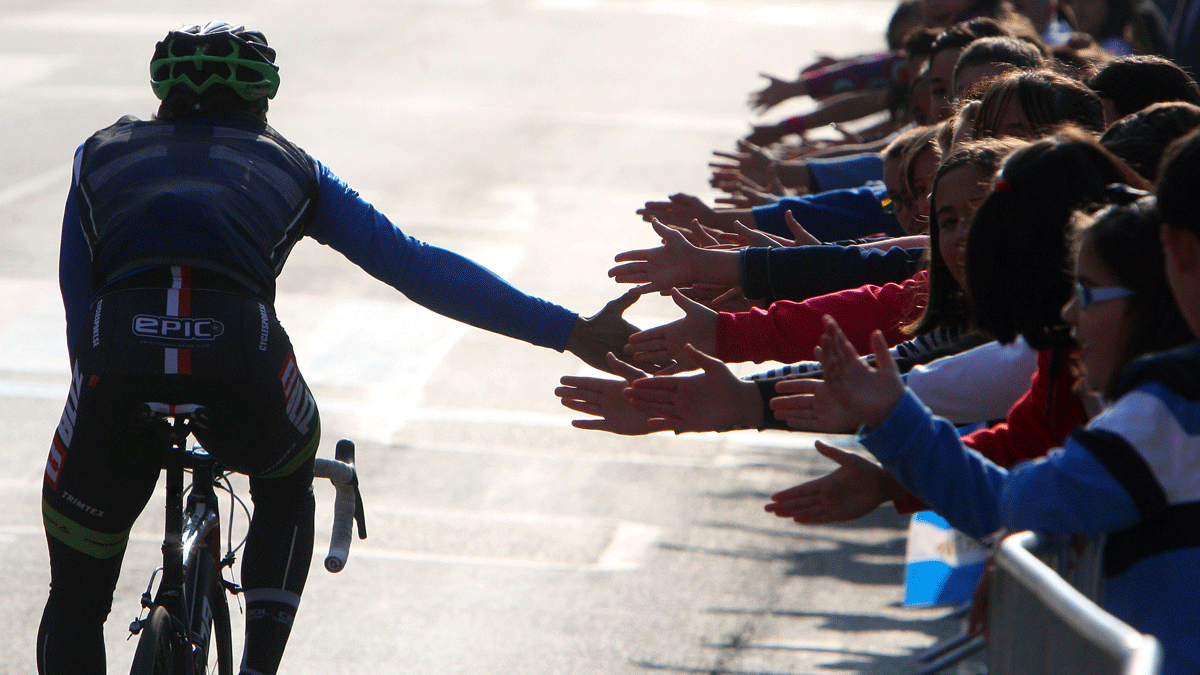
[[1132, 474], [833, 215]]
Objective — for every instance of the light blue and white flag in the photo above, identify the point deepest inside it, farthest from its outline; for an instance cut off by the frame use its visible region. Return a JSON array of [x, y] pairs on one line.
[[942, 565]]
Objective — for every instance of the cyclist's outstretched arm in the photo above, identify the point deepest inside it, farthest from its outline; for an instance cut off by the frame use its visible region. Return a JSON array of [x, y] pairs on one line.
[[453, 285]]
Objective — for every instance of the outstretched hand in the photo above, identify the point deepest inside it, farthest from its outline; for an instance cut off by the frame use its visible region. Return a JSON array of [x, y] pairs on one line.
[[606, 400], [742, 197], [810, 407], [698, 235], [666, 343], [744, 236], [661, 268], [777, 91], [857, 487], [766, 134], [867, 394], [679, 211], [713, 400], [606, 331], [750, 162], [801, 236]]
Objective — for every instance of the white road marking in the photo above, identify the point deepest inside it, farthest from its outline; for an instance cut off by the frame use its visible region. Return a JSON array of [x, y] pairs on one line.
[[626, 550]]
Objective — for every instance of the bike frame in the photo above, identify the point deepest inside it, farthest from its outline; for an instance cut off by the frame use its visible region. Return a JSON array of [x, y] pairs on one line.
[[191, 591], [191, 584]]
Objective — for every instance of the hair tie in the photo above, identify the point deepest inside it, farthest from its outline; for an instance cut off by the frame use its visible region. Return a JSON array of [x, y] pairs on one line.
[[1003, 186]]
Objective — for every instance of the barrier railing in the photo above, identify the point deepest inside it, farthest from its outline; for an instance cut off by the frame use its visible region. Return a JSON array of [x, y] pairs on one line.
[[1043, 617], [1040, 623]]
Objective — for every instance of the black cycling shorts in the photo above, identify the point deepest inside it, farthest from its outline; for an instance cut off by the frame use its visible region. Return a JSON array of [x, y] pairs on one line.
[[173, 335]]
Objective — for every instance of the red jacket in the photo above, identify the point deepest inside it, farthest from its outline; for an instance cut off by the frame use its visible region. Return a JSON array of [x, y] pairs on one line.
[[1030, 430], [789, 331]]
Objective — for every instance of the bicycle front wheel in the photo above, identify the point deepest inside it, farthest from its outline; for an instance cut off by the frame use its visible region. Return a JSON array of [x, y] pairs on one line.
[[158, 650]]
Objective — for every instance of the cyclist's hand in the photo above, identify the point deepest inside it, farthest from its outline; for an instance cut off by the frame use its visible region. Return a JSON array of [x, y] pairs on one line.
[[606, 331]]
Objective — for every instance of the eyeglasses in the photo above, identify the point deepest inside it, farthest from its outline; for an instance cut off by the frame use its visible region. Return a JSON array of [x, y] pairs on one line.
[[1090, 295]]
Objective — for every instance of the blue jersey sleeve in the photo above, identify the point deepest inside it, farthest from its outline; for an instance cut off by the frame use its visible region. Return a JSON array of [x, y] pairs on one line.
[[433, 277], [1067, 491]]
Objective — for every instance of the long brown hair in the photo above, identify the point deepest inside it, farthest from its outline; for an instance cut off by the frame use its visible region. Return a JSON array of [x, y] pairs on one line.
[[947, 302], [1046, 98]]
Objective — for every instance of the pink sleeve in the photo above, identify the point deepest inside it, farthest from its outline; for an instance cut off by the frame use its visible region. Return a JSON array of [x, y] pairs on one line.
[[856, 74]]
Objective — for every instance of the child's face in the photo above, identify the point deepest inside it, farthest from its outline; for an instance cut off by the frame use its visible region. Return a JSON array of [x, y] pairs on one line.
[[893, 178], [968, 76], [924, 166], [960, 191], [1180, 247], [1101, 329], [941, 81], [1012, 121], [919, 96]]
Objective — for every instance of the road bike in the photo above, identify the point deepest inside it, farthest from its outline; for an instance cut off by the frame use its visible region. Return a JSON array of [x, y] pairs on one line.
[[184, 627]]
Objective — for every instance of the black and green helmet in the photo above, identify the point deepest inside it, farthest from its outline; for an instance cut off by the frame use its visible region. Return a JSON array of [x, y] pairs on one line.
[[216, 53]]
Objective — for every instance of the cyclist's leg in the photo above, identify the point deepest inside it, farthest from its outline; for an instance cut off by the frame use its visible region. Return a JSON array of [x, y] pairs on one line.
[[275, 566], [267, 426], [98, 478]]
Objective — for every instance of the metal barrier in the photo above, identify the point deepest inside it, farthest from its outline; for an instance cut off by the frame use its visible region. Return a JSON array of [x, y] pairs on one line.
[[1039, 623]]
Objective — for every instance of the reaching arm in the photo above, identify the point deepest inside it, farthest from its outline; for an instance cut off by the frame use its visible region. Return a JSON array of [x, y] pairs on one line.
[[1069, 490], [803, 272], [681, 209], [788, 331], [675, 264], [840, 108], [455, 286], [832, 215]]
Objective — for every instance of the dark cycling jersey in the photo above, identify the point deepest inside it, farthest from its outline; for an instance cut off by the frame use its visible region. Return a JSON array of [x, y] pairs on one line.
[[436, 278], [231, 198]]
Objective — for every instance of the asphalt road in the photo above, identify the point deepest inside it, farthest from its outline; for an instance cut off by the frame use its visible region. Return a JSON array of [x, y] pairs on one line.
[[522, 133]]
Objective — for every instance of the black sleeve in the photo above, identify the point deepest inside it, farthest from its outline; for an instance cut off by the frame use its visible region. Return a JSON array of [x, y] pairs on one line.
[[766, 389], [802, 272]]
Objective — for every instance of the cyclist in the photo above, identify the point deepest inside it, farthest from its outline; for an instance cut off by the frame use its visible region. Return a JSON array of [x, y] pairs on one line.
[[174, 232]]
